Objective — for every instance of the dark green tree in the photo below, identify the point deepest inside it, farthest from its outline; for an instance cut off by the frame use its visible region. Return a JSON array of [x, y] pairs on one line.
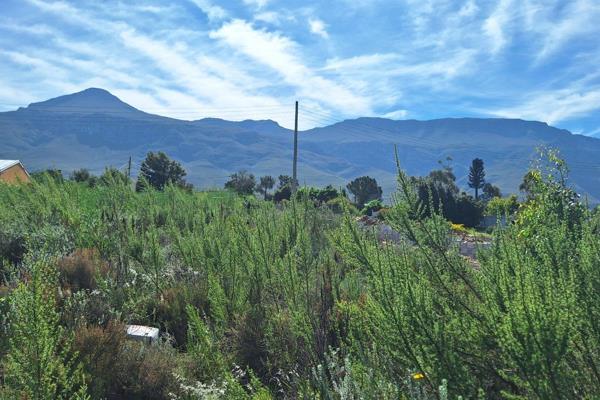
[[364, 190], [284, 189], [490, 191], [266, 183], [530, 179], [319, 195], [81, 175], [284, 180], [241, 182], [438, 193], [158, 170], [476, 176]]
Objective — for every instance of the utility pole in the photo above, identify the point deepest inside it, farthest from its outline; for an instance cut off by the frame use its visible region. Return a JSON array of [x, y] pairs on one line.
[[294, 172], [129, 168]]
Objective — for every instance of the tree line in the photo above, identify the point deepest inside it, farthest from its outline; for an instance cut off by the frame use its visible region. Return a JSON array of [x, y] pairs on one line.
[[437, 191]]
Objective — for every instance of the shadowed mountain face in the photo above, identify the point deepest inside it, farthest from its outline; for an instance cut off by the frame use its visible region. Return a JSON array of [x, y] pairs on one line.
[[94, 129]]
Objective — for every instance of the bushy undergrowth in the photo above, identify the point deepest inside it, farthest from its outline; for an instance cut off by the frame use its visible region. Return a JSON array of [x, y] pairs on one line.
[[257, 301]]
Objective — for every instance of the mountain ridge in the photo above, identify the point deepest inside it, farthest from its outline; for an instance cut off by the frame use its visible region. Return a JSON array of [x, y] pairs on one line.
[[94, 129]]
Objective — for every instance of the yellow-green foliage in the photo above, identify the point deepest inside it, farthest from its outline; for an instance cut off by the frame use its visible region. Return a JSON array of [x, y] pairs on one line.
[[259, 301], [502, 206]]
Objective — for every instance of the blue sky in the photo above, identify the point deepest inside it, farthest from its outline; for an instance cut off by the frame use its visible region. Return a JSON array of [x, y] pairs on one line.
[[238, 59]]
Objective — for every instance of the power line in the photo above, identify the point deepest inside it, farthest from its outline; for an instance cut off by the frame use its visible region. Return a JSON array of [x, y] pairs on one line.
[[294, 175]]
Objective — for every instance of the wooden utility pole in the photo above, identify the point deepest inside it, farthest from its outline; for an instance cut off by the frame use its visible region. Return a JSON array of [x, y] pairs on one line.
[[129, 168], [294, 172]]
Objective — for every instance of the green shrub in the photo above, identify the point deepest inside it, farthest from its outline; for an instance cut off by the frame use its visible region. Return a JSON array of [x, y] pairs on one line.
[[501, 206], [371, 206]]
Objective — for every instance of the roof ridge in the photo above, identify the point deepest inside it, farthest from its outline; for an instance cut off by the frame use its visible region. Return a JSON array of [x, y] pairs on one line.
[[6, 164]]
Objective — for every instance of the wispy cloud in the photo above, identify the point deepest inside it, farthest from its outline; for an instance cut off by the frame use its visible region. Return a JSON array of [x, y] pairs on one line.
[[194, 75], [515, 58], [580, 18], [256, 3], [397, 114], [212, 11], [281, 54], [270, 17], [495, 25], [555, 106]]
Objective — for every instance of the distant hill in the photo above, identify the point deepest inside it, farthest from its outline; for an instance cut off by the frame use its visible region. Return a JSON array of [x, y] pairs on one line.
[[94, 129]]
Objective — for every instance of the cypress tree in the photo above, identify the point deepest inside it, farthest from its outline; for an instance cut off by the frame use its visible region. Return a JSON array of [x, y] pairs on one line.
[[476, 176]]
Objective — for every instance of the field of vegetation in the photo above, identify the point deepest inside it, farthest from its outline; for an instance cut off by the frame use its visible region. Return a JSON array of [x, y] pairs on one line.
[[292, 300]]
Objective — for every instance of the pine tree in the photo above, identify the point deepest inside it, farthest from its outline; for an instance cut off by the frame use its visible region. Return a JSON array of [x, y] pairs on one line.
[[476, 176], [158, 170], [364, 190]]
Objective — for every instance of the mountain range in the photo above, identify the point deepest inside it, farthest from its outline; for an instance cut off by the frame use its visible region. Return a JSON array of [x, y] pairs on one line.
[[94, 129]]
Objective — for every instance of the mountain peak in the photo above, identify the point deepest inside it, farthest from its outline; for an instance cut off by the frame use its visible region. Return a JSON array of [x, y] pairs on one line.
[[88, 101]]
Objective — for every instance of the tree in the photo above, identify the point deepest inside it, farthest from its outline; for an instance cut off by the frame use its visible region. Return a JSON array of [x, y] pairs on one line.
[[283, 193], [112, 176], [318, 195], [80, 175], [158, 170], [500, 206], [438, 193], [83, 175], [490, 191], [527, 187], [241, 182], [285, 180], [364, 190], [476, 176], [326, 194], [266, 183], [284, 190]]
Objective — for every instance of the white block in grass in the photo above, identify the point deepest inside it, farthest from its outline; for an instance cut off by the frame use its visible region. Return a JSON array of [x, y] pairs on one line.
[[142, 333]]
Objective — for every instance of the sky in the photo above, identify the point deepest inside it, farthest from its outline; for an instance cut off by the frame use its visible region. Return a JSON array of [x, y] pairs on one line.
[[341, 59]]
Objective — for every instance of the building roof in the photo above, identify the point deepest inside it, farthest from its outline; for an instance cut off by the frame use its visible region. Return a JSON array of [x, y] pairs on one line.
[[6, 164]]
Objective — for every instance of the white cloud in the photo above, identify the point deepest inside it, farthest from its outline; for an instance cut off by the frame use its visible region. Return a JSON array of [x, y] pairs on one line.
[[495, 26], [555, 106], [76, 16], [165, 59], [594, 132], [256, 3], [9, 95], [318, 27], [200, 78], [38, 64], [580, 18], [469, 9], [269, 17], [398, 114], [360, 62], [212, 11], [35, 29], [282, 55], [376, 66]]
